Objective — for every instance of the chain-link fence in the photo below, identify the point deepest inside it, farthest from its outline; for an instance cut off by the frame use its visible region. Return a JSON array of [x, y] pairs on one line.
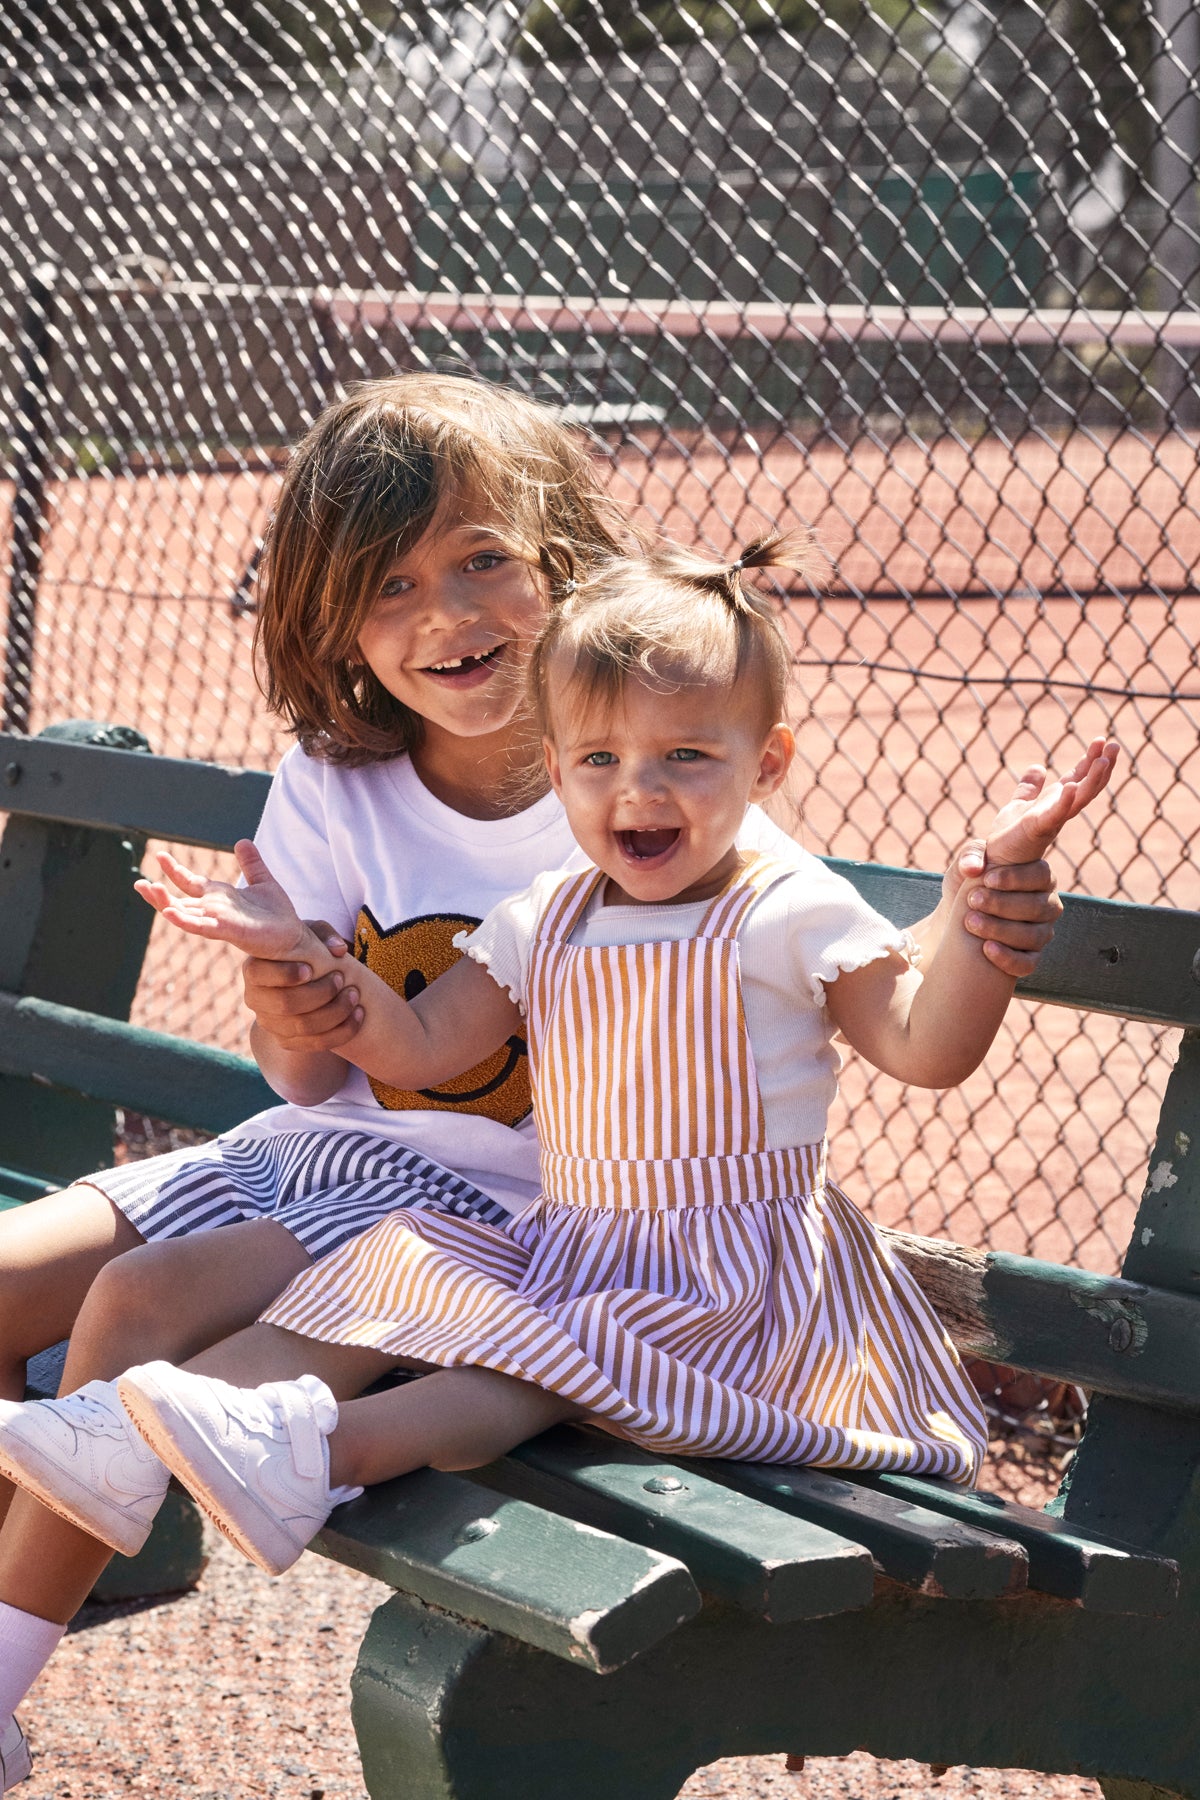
[[925, 277]]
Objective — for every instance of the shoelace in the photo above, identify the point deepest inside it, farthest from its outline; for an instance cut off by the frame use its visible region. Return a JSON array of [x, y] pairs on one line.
[[95, 1411], [99, 1413]]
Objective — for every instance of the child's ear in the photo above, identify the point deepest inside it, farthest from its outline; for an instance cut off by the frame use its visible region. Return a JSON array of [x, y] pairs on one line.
[[774, 761], [552, 768]]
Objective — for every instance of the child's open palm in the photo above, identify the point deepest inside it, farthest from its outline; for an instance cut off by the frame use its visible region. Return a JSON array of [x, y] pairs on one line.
[[258, 919], [1025, 829]]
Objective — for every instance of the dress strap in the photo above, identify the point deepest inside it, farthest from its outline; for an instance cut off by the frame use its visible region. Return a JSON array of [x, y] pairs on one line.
[[729, 908], [567, 907]]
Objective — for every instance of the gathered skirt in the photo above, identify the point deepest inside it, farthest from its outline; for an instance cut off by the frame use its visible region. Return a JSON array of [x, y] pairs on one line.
[[764, 1330]]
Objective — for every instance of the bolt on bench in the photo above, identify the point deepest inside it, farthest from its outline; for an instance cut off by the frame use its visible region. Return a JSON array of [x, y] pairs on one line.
[[583, 1619]]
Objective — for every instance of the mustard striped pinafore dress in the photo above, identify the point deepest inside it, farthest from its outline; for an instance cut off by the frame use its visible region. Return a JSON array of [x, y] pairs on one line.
[[684, 1284]]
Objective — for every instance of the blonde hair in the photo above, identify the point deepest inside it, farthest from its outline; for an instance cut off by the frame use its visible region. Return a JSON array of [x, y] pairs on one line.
[[361, 489], [670, 617]]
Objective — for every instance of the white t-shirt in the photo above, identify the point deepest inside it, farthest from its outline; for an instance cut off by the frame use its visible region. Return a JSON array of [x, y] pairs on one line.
[[802, 932], [400, 875]]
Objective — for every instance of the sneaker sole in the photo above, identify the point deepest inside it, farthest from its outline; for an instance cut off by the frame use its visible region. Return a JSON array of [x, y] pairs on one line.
[[15, 1767], [80, 1506], [218, 1492]]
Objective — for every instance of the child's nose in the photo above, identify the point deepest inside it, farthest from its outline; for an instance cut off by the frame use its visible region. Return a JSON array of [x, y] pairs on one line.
[[645, 781], [453, 601]]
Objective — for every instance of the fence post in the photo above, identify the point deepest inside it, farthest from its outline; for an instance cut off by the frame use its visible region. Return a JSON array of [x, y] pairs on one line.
[[1174, 173], [30, 456]]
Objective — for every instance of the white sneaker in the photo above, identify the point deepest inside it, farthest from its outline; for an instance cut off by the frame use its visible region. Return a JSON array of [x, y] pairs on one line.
[[81, 1457], [255, 1459], [15, 1760]]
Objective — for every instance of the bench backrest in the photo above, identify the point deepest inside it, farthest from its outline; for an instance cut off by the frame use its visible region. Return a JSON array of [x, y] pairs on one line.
[[1141, 962], [83, 800]]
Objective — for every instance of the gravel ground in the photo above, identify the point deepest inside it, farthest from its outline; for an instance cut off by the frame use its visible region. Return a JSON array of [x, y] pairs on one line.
[[241, 1690]]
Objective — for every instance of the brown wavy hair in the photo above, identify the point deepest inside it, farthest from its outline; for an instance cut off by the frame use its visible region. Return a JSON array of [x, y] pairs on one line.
[[360, 490], [671, 617]]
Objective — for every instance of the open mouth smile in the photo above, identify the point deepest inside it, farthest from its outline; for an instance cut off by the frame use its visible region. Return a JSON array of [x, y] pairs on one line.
[[460, 670], [648, 846]]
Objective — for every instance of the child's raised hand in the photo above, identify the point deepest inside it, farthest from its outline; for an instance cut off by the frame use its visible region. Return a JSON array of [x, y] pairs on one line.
[[1014, 904], [257, 919], [1025, 829]]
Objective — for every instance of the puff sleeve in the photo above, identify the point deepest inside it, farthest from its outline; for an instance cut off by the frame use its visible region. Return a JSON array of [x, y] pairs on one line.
[[501, 942], [833, 930]]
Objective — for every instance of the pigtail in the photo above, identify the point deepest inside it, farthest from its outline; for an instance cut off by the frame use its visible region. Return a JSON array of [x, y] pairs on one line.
[[775, 550], [725, 580]]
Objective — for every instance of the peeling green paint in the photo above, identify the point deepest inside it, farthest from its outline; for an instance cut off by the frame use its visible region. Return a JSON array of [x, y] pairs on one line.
[[1127, 1328]]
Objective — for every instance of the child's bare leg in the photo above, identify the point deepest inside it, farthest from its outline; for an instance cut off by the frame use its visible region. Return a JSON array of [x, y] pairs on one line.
[[160, 1300], [171, 1299], [248, 1457], [51, 1250], [50, 1253], [47, 1566], [453, 1419], [268, 1353]]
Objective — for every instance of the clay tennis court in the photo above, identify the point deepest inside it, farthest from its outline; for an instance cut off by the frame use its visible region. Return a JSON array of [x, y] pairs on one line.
[[973, 594]]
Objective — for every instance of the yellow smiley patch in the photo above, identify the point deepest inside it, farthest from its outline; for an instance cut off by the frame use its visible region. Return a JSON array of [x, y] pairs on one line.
[[408, 958]]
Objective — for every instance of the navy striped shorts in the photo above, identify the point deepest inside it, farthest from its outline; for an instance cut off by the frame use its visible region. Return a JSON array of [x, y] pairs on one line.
[[324, 1186]]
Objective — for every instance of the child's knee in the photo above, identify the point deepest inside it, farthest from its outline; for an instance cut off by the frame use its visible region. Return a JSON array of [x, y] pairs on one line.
[[130, 1288]]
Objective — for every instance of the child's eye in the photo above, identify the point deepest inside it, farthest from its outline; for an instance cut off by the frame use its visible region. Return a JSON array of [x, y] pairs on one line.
[[394, 587], [684, 755], [599, 759], [486, 559]]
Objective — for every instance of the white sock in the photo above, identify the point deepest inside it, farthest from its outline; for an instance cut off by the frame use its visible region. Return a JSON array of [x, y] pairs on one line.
[[26, 1645]]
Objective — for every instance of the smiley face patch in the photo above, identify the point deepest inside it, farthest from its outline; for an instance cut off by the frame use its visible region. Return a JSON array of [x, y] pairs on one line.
[[408, 958]]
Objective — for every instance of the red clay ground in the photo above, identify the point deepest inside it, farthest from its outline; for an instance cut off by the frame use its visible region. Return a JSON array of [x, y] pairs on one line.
[[241, 1690]]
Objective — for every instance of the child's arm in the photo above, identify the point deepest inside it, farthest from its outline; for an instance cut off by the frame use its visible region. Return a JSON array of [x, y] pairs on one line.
[[298, 1067], [933, 1027], [455, 1023], [930, 1026]]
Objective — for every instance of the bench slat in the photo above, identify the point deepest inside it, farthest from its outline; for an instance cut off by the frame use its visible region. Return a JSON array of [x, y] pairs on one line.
[[1107, 955], [736, 1549], [548, 1581], [1116, 1337], [111, 1060], [125, 790], [1097, 1573], [911, 1544], [18, 1185]]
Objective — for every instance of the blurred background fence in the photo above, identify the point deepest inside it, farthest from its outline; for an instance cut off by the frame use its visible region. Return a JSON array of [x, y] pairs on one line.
[[925, 277]]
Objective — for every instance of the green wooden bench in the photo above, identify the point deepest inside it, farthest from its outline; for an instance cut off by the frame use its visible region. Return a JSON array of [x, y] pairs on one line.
[[581, 1619]]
